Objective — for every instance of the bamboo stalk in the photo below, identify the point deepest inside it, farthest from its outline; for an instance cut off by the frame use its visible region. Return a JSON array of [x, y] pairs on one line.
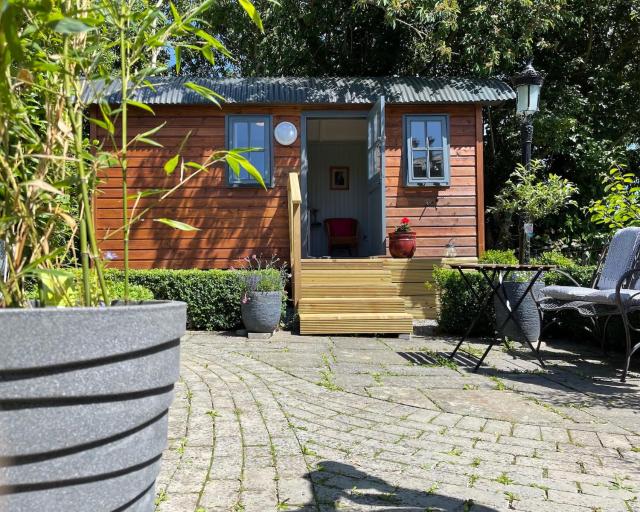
[[124, 72]]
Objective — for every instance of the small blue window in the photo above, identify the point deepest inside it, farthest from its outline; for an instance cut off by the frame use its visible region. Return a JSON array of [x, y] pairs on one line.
[[427, 150], [247, 131]]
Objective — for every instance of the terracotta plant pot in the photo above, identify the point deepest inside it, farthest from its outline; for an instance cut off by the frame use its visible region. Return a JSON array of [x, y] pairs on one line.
[[402, 244]]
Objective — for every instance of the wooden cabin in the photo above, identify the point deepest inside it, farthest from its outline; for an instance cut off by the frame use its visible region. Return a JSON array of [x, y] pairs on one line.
[[372, 150]]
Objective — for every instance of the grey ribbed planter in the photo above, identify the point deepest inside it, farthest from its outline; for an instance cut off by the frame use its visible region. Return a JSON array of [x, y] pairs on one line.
[[84, 395], [262, 312], [527, 316]]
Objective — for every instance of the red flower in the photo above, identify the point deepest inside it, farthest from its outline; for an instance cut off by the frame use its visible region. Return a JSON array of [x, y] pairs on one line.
[[405, 220]]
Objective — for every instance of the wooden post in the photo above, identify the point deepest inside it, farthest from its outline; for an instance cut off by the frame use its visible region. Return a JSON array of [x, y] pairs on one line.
[[295, 234]]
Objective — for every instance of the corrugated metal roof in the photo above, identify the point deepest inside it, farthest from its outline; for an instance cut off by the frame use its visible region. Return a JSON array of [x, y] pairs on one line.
[[172, 91]]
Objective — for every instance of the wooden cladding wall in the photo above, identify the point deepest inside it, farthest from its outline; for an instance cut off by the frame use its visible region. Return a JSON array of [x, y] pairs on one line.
[[238, 222], [438, 215], [234, 222]]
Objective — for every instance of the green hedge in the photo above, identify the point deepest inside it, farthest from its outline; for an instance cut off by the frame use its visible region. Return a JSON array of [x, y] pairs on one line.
[[213, 297], [458, 306]]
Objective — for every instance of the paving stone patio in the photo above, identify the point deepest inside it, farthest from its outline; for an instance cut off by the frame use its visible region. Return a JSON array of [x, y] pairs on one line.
[[361, 424]]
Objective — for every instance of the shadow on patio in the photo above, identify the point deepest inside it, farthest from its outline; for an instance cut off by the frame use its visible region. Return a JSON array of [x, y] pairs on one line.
[[339, 486]]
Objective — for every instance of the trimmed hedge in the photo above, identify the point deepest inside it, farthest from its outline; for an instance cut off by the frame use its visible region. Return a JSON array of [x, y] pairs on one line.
[[458, 306], [213, 297]]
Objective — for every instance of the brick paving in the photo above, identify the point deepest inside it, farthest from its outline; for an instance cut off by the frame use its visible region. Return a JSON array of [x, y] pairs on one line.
[[382, 424]]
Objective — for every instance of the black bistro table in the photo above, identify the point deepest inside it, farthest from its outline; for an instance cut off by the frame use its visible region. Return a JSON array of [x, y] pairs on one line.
[[495, 276]]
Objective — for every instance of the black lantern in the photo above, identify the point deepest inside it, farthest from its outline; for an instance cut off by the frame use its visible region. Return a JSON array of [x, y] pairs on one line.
[[528, 84]]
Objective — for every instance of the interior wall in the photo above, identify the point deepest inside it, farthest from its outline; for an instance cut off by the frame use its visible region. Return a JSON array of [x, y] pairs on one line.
[[336, 203]]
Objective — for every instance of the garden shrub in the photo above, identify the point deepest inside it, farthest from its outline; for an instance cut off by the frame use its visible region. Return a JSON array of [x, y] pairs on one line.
[[497, 256], [458, 306], [115, 289], [213, 297]]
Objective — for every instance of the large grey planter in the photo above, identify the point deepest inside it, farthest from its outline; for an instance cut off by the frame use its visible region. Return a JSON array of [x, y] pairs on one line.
[[528, 319], [262, 311], [84, 395]]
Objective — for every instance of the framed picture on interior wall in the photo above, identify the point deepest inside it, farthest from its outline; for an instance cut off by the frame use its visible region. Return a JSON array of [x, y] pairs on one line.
[[339, 178]]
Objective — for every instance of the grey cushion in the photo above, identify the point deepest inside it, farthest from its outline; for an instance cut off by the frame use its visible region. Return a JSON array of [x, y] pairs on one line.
[[578, 293], [621, 256]]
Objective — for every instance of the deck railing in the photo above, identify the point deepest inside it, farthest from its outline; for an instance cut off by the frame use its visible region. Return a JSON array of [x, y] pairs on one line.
[[295, 234]]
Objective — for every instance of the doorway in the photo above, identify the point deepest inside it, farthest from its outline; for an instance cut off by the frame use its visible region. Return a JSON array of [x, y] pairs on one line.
[[337, 186]]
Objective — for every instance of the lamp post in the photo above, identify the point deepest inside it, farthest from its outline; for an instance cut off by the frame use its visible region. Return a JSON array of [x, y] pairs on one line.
[[528, 84]]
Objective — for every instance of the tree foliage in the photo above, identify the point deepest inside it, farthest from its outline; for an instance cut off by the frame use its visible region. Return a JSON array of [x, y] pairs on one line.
[[588, 51], [620, 206]]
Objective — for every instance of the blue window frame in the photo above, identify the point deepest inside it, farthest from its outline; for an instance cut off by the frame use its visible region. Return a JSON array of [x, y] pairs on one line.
[[427, 150], [251, 131]]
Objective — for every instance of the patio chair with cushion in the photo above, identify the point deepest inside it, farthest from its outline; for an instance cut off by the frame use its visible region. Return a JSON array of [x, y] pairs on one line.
[[615, 291]]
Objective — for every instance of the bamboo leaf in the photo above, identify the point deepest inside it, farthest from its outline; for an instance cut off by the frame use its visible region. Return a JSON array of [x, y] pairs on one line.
[[171, 164], [71, 26], [147, 193], [140, 105], [177, 224], [174, 12], [205, 92], [252, 12], [235, 160], [177, 51], [148, 133], [43, 185], [146, 140]]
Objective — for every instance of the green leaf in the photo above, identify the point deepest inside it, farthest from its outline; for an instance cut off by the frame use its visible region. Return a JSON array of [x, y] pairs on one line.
[[178, 55], [205, 92], [70, 26], [236, 160], [171, 164], [153, 130], [140, 105], [174, 12], [146, 140], [147, 193], [177, 224], [44, 186], [252, 12]]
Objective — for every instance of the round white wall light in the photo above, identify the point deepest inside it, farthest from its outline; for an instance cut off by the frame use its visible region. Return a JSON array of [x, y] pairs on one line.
[[286, 133]]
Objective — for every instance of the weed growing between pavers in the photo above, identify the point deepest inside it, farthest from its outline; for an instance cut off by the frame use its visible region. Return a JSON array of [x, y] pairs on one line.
[[499, 384], [504, 479], [161, 497], [542, 488], [511, 498], [327, 377]]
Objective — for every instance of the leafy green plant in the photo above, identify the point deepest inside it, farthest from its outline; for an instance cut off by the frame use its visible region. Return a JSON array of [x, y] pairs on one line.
[[530, 197], [506, 257], [213, 297], [53, 58], [620, 206]]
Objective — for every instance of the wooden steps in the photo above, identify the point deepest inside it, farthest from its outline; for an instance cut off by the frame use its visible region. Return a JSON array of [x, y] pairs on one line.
[[324, 305], [358, 323], [350, 296]]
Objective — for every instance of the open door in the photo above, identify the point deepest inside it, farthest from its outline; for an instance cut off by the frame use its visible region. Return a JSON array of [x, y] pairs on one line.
[[376, 225]]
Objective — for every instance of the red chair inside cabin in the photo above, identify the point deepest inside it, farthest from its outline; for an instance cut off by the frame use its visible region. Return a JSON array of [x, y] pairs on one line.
[[342, 233]]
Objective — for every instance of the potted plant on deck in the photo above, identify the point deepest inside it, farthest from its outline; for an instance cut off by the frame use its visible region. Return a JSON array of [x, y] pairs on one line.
[[402, 242], [529, 197], [262, 298], [85, 385]]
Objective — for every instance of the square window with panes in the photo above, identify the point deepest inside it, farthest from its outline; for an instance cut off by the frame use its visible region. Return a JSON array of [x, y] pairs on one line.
[[426, 150], [254, 132]]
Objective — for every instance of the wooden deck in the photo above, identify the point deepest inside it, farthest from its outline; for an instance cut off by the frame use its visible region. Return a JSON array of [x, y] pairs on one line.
[[358, 295]]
